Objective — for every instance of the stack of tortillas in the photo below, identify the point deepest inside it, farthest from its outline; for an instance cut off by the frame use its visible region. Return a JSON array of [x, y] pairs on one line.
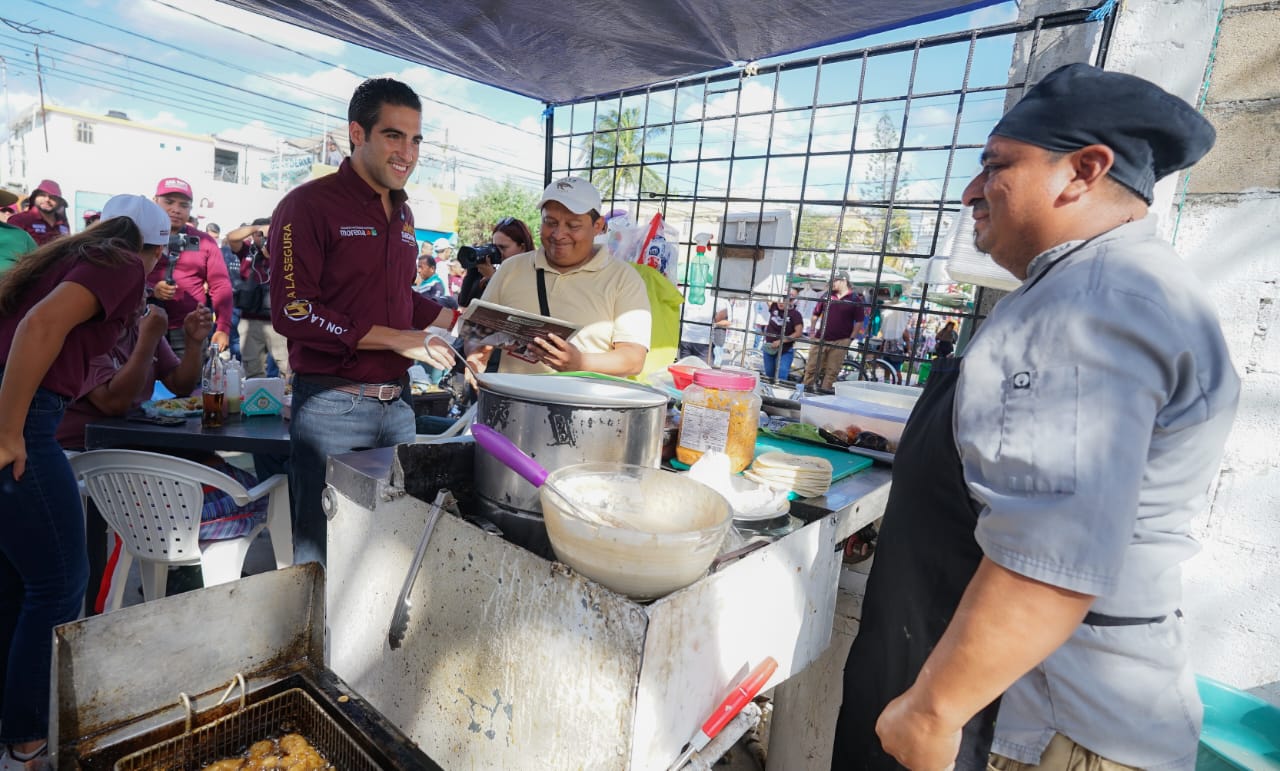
[[805, 474]]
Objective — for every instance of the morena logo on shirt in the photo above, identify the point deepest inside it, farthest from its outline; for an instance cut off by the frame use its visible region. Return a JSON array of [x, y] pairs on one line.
[[354, 230], [298, 310]]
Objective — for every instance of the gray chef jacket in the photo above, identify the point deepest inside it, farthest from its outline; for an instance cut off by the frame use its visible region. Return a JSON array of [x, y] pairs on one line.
[[1091, 414]]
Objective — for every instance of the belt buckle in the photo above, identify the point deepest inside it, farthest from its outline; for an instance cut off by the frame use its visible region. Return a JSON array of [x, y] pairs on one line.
[[387, 393]]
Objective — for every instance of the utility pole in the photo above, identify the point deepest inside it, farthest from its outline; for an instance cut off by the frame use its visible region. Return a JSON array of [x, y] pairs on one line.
[[8, 118], [44, 119]]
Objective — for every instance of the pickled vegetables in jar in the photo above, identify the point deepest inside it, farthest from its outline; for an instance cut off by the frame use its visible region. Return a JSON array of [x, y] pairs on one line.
[[721, 412]]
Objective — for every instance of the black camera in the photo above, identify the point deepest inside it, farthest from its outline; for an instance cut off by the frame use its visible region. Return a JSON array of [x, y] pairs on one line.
[[470, 256], [182, 242]]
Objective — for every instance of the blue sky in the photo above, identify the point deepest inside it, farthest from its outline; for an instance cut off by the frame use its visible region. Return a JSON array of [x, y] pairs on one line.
[[169, 63]]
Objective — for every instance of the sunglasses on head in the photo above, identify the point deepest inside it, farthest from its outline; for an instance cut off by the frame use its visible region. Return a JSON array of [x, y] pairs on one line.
[[504, 222]]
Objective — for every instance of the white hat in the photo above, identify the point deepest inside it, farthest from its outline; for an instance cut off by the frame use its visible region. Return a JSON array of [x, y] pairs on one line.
[[150, 218], [441, 244], [575, 193]]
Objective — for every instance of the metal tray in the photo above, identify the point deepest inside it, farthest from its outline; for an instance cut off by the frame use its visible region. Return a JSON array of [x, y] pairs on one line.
[[293, 711]]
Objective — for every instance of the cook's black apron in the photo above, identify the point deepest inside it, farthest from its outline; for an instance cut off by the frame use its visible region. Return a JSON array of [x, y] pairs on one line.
[[925, 557]]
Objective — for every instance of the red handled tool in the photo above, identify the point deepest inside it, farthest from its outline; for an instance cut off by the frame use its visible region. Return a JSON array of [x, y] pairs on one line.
[[744, 692]]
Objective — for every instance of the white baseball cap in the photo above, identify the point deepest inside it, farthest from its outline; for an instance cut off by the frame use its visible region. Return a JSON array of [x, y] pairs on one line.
[[441, 244], [574, 193], [150, 218]]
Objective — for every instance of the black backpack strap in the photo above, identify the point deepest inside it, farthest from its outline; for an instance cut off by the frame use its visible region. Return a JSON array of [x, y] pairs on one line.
[[543, 308]]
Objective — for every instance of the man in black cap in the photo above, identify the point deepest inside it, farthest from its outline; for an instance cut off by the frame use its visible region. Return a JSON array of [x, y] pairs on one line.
[[1032, 555]]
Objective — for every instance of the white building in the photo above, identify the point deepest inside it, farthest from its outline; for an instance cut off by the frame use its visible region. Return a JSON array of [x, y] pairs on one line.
[[96, 156], [93, 157]]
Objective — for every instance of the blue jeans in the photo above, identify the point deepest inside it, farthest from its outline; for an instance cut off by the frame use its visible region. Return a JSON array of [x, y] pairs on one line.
[[44, 568], [780, 360], [327, 422]]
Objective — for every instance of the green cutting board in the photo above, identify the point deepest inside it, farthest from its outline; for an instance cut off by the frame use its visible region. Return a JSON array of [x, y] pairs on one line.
[[843, 462]]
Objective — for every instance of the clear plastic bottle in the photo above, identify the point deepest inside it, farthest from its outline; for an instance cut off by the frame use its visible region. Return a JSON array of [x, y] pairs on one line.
[[235, 385], [721, 412]]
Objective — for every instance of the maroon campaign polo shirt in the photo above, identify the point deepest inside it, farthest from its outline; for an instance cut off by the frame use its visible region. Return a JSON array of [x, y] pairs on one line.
[[193, 270], [41, 231], [338, 267], [845, 314], [102, 370], [119, 292]]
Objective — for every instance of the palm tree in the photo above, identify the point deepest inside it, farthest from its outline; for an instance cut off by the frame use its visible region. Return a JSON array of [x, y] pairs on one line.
[[614, 152]]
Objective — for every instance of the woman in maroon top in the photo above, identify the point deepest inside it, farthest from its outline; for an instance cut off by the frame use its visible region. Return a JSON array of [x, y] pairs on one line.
[[60, 306]]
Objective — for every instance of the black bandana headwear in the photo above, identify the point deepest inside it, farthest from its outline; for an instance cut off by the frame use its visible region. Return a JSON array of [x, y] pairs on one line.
[[1152, 132]]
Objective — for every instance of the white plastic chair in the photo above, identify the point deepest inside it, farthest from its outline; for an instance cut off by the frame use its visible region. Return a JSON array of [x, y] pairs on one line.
[[153, 503]]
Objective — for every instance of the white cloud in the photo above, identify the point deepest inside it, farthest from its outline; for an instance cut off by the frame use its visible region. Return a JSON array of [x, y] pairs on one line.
[[992, 15], [253, 133], [162, 119], [178, 24]]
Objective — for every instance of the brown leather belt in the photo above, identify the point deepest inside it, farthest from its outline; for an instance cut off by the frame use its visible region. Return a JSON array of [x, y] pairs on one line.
[[383, 392]]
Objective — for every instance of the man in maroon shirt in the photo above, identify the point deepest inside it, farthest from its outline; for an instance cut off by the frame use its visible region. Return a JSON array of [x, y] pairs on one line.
[[844, 313], [342, 249], [193, 268], [45, 220]]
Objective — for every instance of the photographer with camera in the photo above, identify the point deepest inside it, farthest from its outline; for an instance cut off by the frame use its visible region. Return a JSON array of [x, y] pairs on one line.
[[191, 269], [509, 238], [253, 300]]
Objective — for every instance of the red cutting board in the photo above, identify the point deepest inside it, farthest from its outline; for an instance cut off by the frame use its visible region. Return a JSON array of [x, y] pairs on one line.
[[843, 462]]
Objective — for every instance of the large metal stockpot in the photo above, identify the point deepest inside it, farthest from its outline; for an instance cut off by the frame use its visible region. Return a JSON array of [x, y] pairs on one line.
[[560, 421]]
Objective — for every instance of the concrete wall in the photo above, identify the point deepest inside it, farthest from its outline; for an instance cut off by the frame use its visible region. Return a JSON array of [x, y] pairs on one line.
[[1228, 227]]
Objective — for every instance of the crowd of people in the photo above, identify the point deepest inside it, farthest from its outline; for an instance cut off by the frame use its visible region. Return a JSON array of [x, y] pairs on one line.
[[1030, 579]]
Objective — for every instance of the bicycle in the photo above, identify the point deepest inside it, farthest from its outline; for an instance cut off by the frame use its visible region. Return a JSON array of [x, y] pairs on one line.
[[866, 364]]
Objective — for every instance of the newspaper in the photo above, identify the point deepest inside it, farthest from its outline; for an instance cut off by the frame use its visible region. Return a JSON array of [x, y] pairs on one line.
[[485, 323]]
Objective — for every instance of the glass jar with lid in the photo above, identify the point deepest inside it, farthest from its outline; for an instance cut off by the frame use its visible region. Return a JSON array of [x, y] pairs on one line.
[[721, 412]]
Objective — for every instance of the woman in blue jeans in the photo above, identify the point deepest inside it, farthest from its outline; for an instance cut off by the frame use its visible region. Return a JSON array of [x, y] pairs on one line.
[[60, 306], [785, 327]]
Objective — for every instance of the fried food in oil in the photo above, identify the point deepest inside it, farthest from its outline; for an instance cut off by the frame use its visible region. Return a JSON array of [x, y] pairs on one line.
[[291, 752]]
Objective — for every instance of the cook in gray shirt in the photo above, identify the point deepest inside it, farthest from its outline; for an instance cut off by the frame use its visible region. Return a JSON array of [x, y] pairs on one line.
[[1091, 414]]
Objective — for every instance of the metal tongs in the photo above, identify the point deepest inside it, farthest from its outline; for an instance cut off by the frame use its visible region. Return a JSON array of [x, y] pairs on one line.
[[400, 619]]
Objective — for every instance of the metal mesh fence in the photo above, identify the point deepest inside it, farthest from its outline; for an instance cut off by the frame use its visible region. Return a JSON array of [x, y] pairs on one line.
[[849, 163]]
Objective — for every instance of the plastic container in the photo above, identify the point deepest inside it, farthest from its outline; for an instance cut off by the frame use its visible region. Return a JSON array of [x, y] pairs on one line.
[[235, 386], [885, 394], [839, 412], [721, 412], [1240, 730], [681, 375]]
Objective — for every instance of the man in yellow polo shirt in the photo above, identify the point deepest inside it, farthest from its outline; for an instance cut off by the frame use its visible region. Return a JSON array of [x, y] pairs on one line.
[[572, 278]]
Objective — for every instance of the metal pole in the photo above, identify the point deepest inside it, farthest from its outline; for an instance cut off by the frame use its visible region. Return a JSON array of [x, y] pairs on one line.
[[8, 118], [44, 119]]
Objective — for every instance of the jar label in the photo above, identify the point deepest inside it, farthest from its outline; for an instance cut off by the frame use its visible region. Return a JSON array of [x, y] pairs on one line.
[[704, 429]]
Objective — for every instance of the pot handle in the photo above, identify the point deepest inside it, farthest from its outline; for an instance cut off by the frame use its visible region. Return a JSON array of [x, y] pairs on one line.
[[511, 456]]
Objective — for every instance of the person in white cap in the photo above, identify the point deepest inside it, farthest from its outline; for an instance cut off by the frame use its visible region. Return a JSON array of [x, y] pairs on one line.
[[571, 278], [60, 306], [443, 249]]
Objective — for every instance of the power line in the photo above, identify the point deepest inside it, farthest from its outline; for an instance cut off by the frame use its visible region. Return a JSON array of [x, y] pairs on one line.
[[67, 72], [331, 64], [272, 100]]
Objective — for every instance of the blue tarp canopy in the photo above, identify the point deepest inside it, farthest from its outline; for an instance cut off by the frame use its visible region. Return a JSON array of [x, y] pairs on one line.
[[562, 51]]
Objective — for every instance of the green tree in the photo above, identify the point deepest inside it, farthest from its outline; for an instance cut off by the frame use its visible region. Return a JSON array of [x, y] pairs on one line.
[[492, 201], [817, 239], [614, 149], [879, 187]]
